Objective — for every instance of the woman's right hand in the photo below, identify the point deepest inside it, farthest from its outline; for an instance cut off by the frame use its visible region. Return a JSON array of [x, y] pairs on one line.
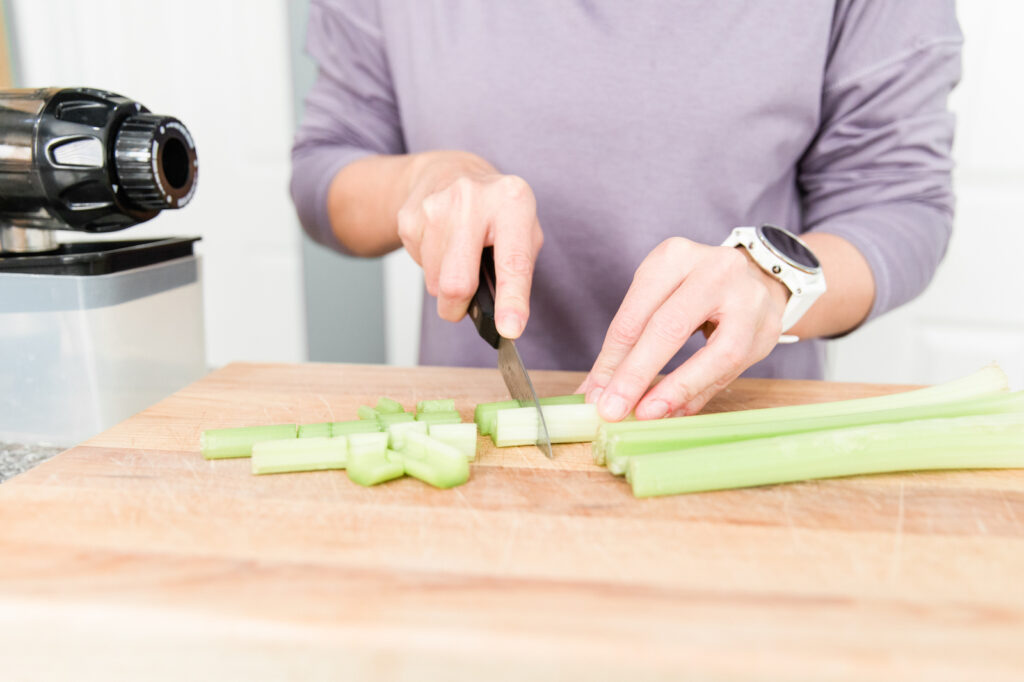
[[458, 204]]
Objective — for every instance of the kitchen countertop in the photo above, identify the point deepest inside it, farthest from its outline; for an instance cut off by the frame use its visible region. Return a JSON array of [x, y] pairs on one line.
[[131, 557], [16, 458]]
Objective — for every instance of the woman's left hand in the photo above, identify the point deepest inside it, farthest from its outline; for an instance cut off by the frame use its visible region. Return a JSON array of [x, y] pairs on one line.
[[681, 287]]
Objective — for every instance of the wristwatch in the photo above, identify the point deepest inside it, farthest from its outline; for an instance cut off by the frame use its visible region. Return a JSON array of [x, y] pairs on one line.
[[787, 258]]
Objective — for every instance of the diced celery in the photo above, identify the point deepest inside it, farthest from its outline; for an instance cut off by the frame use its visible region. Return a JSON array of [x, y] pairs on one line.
[[366, 412], [396, 433], [354, 426], [298, 454], [572, 423], [386, 420], [440, 417], [367, 442], [370, 467], [388, 406], [434, 462], [446, 405], [462, 437], [238, 442], [977, 442], [321, 430]]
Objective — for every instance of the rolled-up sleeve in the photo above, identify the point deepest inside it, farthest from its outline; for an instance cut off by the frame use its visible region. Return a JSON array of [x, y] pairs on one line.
[[879, 172], [350, 112]]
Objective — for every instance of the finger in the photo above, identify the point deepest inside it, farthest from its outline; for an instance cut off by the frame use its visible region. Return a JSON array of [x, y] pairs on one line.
[[517, 240], [411, 222], [728, 352], [437, 212], [460, 268], [665, 333], [656, 278]]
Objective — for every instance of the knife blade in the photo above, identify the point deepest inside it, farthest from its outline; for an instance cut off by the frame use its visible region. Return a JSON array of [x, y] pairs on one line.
[[510, 363]]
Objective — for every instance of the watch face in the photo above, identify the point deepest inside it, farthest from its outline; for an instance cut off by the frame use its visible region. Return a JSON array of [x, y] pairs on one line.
[[788, 247]]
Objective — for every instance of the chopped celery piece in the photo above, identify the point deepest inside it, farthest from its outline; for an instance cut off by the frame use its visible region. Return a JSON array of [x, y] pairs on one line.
[[434, 462], [386, 420], [224, 443], [447, 405], [298, 454], [976, 442], [396, 433], [371, 467], [367, 442], [388, 406], [620, 447], [440, 417], [571, 399], [366, 412], [321, 430], [462, 437], [984, 382], [354, 426], [566, 424], [484, 414]]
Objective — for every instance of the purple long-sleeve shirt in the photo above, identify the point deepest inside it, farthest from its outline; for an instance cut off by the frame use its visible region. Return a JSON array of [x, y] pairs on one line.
[[637, 121]]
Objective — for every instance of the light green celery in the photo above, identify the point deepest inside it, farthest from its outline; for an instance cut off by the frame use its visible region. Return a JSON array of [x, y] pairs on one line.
[[371, 467], [566, 424], [446, 405], [462, 437], [366, 412], [367, 442], [978, 442], [434, 462], [321, 430], [485, 413], [298, 454], [388, 406], [986, 381], [571, 399], [620, 447], [440, 417], [354, 426], [224, 443], [386, 420], [396, 433]]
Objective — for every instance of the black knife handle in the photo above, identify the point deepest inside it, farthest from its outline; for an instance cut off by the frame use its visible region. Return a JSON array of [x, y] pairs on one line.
[[481, 308]]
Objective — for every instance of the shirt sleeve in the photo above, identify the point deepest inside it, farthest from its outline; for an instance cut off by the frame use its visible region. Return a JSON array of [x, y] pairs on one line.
[[350, 111], [879, 171]]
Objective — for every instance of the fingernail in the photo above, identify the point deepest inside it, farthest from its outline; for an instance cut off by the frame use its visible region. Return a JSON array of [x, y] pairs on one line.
[[613, 407], [511, 325], [652, 409], [594, 395]]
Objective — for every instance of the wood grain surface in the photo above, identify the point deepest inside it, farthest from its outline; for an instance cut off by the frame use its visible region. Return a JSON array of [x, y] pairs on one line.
[[131, 557]]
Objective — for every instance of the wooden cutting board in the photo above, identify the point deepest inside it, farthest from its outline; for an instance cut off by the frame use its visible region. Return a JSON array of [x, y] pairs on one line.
[[130, 557]]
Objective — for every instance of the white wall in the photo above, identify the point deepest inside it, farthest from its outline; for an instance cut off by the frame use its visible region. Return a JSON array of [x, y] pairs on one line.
[[221, 66], [973, 312]]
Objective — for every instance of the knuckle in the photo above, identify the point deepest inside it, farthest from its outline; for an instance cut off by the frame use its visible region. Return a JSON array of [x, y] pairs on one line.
[[517, 264], [733, 354], [670, 328], [456, 287], [673, 247], [461, 188], [625, 330], [514, 187], [406, 223]]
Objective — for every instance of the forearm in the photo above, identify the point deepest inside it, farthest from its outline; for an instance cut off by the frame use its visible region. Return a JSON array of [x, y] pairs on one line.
[[365, 196]]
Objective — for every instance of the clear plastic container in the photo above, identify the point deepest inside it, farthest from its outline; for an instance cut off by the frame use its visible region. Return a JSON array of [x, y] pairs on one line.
[[80, 353]]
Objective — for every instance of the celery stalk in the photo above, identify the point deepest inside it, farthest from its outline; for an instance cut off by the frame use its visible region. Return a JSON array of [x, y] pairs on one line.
[[366, 412], [571, 399], [321, 430], [387, 419], [462, 437], [485, 413], [446, 405], [359, 443], [976, 442], [440, 417], [224, 443], [354, 426], [566, 424], [370, 467], [396, 433], [621, 446], [388, 406], [984, 382], [298, 454], [434, 462]]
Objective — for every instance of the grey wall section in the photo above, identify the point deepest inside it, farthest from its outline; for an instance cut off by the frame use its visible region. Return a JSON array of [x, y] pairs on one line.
[[344, 296]]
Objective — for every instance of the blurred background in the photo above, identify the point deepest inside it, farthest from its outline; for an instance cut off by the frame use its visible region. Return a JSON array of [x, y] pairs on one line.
[[235, 72]]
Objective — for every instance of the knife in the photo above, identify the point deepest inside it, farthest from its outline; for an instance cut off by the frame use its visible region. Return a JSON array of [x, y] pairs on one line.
[[481, 311]]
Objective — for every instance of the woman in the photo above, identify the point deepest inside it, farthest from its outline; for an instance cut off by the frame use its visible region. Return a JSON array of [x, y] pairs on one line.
[[629, 140]]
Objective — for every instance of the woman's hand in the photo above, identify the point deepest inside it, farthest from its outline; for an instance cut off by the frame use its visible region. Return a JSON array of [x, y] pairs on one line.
[[679, 288], [456, 205]]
